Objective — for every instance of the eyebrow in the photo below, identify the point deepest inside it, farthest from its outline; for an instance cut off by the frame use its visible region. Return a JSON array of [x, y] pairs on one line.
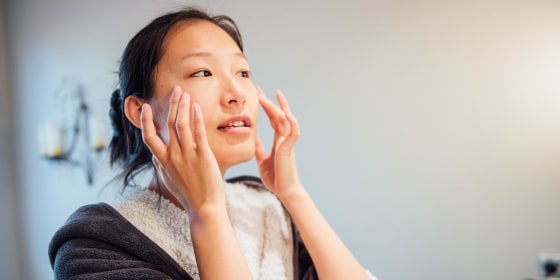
[[207, 54]]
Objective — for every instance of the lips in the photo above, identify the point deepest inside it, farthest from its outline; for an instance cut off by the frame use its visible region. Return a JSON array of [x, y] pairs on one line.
[[235, 122]]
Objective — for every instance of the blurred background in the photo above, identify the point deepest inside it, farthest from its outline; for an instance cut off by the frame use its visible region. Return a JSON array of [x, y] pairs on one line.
[[430, 129]]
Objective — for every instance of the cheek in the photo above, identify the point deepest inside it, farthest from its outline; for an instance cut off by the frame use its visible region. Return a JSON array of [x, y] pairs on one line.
[[254, 109], [252, 98]]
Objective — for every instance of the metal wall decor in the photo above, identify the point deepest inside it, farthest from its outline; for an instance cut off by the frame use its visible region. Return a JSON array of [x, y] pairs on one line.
[[76, 137]]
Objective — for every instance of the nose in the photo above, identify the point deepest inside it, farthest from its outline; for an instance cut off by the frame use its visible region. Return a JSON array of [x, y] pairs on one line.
[[233, 94]]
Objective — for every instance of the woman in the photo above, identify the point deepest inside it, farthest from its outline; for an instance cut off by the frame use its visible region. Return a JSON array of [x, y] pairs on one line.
[[187, 107]]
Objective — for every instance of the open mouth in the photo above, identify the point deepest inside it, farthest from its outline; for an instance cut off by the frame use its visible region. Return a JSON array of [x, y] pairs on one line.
[[235, 123]]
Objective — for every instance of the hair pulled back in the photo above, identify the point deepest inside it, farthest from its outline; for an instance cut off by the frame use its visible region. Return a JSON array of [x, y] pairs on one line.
[[136, 77]]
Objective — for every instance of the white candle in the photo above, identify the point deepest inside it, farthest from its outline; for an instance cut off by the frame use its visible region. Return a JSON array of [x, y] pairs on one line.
[[55, 140], [52, 145]]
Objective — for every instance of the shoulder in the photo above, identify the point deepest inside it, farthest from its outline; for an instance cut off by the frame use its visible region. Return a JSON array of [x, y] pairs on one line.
[[110, 244], [99, 211], [89, 220], [94, 221]]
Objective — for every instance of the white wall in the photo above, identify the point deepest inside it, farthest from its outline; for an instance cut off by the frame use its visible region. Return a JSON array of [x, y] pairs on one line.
[[430, 129]]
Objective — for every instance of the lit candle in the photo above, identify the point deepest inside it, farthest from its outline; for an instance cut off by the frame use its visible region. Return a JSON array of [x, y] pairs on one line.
[[50, 143]]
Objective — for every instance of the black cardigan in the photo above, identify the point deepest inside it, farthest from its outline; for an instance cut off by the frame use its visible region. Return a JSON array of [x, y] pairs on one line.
[[97, 242]]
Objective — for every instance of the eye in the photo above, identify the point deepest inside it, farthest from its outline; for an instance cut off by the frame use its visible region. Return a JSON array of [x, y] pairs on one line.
[[201, 73], [244, 74]]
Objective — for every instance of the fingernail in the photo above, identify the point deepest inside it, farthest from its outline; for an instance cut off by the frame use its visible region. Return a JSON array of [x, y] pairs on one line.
[[176, 90]]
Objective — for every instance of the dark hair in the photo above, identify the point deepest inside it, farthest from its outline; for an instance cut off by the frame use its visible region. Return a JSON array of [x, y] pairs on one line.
[[136, 77]]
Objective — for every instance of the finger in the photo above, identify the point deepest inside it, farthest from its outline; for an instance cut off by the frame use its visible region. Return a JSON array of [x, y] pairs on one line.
[[199, 133], [275, 115], [183, 121], [172, 114], [282, 102], [278, 140], [149, 134], [271, 110], [294, 133]]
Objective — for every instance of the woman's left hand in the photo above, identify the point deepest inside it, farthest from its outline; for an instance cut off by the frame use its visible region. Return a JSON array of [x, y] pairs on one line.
[[278, 168], [331, 258]]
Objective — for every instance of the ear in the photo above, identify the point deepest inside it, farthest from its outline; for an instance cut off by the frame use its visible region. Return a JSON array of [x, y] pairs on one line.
[[133, 109]]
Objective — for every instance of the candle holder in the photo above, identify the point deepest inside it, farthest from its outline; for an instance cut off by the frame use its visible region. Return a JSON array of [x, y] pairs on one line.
[[84, 127]]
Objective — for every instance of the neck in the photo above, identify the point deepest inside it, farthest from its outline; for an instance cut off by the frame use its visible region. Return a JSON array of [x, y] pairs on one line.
[[158, 187]]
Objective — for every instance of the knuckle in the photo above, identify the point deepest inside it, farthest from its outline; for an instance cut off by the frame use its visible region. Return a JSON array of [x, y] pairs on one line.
[[149, 139], [197, 137], [174, 99], [181, 126], [170, 123]]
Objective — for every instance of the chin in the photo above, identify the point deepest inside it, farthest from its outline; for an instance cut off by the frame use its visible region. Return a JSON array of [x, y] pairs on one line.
[[233, 155], [244, 154]]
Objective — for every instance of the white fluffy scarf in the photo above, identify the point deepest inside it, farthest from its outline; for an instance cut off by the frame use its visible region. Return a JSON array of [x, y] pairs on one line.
[[261, 225]]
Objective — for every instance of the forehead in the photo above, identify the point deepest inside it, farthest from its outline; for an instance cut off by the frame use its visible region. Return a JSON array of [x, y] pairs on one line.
[[197, 35]]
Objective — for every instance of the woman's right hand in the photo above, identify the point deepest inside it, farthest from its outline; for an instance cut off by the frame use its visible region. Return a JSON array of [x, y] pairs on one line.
[[188, 169], [186, 165]]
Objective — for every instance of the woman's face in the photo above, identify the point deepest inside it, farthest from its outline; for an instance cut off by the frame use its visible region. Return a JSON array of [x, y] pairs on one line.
[[206, 63]]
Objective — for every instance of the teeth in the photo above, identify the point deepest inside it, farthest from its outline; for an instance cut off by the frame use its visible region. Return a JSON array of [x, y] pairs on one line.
[[237, 124]]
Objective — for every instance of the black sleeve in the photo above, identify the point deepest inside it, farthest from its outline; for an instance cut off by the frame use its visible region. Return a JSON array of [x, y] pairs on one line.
[[81, 259], [98, 243]]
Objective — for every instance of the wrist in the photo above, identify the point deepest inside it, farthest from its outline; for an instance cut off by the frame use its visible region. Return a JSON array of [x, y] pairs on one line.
[[207, 213], [295, 196]]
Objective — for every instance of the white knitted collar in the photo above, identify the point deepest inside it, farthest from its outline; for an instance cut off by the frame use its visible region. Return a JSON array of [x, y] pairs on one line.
[[261, 224]]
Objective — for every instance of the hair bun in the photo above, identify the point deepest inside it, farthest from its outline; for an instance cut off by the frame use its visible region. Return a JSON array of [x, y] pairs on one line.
[[116, 113]]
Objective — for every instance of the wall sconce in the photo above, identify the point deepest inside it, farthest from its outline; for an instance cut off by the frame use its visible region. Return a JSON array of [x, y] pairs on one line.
[[54, 135]]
